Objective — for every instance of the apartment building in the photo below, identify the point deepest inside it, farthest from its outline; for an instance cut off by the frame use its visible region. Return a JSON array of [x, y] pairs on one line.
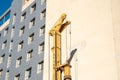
[[93, 37], [95, 33], [22, 41]]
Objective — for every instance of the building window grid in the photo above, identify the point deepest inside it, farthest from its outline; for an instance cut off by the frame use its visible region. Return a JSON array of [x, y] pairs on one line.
[[4, 44], [2, 58], [18, 62], [29, 55], [28, 73], [41, 48], [9, 61], [1, 72], [31, 38], [43, 14], [11, 46], [17, 77], [12, 32], [7, 75], [33, 8], [42, 30], [20, 46], [14, 18], [32, 22], [6, 31], [40, 67], [22, 31], [23, 16]]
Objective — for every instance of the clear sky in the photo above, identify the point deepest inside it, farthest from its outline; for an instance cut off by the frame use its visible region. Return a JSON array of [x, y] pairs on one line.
[[4, 5]]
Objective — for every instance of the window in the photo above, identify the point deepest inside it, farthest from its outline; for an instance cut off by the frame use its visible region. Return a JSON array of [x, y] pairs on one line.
[[17, 77], [41, 48], [14, 18], [12, 32], [1, 72], [40, 67], [42, 30], [32, 22], [6, 31], [7, 75], [33, 8], [11, 46], [9, 61], [2, 58], [28, 73], [43, 14], [29, 55], [20, 46], [22, 31], [23, 16], [4, 44], [43, 1], [18, 62], [31, 38], [25, 1]]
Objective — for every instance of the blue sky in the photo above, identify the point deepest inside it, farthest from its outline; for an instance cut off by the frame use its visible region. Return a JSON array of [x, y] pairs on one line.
[[4, 5]]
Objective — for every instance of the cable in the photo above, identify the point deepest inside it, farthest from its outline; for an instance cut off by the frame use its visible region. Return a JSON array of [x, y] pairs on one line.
[[70, 38], [66, 45]]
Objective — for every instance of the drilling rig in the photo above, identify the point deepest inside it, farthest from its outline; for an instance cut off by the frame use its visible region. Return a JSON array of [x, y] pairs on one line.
[[58, 68]]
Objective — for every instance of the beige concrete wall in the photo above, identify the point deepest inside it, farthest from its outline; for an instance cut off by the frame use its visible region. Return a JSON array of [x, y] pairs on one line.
[[116, 29], [25, 5], [4, 25], [92, 35]]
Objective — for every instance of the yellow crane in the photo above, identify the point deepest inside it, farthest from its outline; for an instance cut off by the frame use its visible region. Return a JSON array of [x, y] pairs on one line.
[[58, 68]]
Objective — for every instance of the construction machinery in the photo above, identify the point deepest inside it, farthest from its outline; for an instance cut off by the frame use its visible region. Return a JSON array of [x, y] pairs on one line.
[[58, 68]]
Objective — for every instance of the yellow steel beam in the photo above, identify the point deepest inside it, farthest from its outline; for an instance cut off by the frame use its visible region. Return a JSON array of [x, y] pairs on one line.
[[55, 32]]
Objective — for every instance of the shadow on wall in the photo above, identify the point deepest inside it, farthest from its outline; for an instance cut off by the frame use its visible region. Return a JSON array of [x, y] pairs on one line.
[[71, 55], [82, 45]]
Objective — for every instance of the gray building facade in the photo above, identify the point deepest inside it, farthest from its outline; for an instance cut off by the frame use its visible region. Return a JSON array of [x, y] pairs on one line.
[[22, 41]]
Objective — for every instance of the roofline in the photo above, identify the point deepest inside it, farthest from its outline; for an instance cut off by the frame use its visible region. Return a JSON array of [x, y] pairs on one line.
[[5, 13]]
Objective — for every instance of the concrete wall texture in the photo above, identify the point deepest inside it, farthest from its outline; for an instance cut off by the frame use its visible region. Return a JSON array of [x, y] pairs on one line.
[[94, 33]]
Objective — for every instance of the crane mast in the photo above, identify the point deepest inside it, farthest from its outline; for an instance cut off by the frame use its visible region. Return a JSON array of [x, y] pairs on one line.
[[58, 68]]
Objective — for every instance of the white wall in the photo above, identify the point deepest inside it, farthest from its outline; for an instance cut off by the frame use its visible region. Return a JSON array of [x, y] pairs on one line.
[[116, 29], [92, 35]]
